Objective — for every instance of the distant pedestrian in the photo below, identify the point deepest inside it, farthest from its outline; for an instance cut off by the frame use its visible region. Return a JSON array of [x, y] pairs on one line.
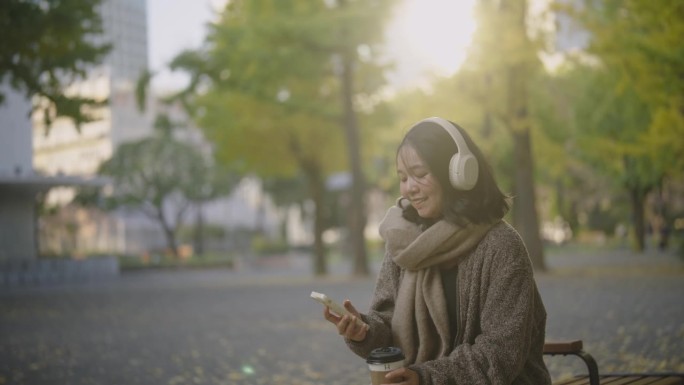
[[455, 291]]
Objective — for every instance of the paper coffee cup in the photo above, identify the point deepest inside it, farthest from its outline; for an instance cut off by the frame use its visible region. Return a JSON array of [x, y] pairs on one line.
[[382, 361]]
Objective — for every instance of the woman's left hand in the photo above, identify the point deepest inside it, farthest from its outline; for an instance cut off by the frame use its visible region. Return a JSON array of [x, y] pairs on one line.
[[408, 376]]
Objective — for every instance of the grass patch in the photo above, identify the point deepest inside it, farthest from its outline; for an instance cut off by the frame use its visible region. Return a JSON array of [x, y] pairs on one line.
[[138, 262]]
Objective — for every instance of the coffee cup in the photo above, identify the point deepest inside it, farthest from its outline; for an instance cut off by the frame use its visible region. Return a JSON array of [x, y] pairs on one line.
[[382, 361]]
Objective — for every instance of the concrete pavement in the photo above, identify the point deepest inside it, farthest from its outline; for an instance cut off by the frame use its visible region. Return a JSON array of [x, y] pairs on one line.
[[256, 325]]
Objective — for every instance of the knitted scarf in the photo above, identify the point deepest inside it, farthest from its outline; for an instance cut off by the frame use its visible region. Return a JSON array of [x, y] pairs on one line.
[[420, 323]]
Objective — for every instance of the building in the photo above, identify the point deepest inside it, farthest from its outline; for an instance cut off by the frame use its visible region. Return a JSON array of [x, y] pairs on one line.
[[64, 158], [64, 149], [19, 187]]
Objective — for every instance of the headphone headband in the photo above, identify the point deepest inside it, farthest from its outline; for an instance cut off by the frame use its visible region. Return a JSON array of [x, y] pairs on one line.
[[463, 166], [453, 132]]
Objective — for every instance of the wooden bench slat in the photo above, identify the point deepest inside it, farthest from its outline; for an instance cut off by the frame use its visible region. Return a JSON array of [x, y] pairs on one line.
[[651, 380], [646, 379], [636, 379], [574, 381], [622, 380], [575, 347], [671, 380], [562, 347]]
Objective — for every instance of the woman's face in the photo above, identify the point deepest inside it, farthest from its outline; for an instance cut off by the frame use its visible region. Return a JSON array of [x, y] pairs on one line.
[[417, 183]]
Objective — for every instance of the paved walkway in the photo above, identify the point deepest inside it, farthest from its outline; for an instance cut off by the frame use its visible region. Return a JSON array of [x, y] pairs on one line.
[[256, 325]]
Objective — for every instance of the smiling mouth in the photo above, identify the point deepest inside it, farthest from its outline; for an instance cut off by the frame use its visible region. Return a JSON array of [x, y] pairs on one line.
[[417, 201]]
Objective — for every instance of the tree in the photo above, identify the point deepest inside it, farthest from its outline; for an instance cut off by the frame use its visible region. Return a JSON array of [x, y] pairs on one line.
[[283, 83], [215, 180], [361, 27], [160, 176], [640, 42], [501, 66], [264, 106], [638, 45], [46, 46], [285, 193], [571, 181], [610, 122]]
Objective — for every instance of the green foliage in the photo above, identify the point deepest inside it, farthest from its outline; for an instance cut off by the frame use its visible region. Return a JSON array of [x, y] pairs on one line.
[[271, 73], [265, 246], [209, 231], [45, 46], [149, 171], [141, 87], [286, 191], [609, 124], [283, 86], [155, 261], [604, 220], [620, 118], [640, 43], [502, 62], [264, 104], [590, 142]]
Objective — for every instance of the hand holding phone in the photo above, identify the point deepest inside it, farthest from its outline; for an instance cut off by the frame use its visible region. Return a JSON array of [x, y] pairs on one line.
[[334, 306]]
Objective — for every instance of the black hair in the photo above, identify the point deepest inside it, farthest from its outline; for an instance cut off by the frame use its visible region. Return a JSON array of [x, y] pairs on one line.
[[482, 204]]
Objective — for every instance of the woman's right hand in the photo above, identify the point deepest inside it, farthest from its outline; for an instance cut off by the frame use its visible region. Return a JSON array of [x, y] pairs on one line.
[[347, 325]]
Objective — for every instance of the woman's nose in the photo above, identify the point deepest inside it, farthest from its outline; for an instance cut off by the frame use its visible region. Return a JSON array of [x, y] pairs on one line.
[[411, 184]]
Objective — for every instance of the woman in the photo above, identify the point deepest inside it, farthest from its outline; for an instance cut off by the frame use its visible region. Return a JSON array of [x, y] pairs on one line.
[[455, 291]]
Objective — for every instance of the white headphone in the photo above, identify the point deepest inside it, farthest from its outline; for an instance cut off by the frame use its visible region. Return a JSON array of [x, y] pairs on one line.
[[463, 167]]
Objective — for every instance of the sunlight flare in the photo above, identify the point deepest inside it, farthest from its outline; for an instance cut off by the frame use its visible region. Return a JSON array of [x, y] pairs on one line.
[[433, 35]]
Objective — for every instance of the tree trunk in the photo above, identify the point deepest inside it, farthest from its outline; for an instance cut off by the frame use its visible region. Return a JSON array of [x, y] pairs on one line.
[[517, 72], [199, 231], [637, 197], [567, 209], [357, 217], [317, 193], [661, 209], [525, 217], [169, 232]]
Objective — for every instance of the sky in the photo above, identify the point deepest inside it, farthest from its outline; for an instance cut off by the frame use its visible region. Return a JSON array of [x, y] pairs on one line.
[[174, 26], [423, 37]]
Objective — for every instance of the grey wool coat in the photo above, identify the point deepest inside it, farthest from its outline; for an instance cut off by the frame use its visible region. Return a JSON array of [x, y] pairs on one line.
[[500, 318]]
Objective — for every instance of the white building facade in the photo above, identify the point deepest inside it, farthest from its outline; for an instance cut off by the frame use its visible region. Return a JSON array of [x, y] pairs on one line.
[[63, 149]]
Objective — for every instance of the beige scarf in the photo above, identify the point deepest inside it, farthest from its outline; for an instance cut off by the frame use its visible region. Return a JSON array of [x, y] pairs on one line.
[[420, 324]]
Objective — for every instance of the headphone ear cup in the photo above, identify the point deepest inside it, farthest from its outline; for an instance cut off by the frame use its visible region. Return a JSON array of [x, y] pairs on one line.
[[454, 171], [463, 171]]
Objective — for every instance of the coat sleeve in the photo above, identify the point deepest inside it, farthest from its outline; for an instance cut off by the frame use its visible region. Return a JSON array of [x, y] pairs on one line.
[[379, 316], [499, 316]]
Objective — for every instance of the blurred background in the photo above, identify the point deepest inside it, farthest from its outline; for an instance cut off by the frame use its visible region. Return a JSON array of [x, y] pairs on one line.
[[238, 137], [169, 132]]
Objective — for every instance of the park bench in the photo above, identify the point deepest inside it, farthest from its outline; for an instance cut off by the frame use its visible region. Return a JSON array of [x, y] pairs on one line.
[[593, 377]]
